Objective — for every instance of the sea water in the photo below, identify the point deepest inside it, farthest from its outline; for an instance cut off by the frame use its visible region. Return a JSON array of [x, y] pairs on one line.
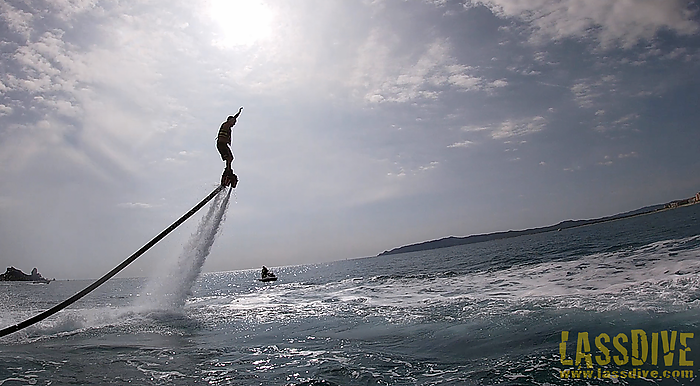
[[532, 310]]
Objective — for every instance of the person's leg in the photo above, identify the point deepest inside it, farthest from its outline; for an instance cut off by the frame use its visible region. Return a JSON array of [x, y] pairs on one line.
[[225, 152], [229, 157]]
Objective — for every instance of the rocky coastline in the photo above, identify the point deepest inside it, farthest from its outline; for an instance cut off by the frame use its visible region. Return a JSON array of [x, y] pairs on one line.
[[14, 274]]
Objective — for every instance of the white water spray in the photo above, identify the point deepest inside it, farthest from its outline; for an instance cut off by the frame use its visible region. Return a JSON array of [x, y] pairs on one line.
[[169, 292]]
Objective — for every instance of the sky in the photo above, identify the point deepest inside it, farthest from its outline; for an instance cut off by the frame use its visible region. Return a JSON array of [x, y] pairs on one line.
[[366, 125]]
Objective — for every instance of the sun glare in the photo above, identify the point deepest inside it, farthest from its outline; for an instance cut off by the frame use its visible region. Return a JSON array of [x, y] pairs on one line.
[[240, 22]]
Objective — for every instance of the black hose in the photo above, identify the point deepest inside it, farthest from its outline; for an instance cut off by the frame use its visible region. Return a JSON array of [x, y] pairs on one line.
[[110, 274]]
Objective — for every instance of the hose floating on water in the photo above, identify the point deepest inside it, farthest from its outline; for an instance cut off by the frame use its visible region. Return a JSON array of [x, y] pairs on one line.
[[110, 274]]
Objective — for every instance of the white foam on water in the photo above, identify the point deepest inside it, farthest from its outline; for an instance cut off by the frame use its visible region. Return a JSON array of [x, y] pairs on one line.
[[169, 292], [660, 273], [628, 272], [659, 276]]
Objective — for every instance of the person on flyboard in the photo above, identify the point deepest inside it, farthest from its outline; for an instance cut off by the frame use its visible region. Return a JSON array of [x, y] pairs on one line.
[[223, 141]]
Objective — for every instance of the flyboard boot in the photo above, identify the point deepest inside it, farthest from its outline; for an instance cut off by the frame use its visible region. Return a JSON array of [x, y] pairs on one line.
[[229, 178]]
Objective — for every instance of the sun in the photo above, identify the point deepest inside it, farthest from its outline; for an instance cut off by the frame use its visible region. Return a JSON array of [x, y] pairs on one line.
[[240, 22]]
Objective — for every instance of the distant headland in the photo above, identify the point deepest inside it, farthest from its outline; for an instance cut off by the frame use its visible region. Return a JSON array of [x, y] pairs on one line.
[[14, 274], [453, 241]]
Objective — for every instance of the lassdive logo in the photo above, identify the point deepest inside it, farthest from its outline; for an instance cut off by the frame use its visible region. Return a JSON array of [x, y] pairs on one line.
[[637, 355]]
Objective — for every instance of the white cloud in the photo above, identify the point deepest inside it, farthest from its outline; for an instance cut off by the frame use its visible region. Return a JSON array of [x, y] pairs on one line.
[[506, 129], [476, 128], [430, 166], [409, 171], [465, 81], [113, 94], [682, 53], [135, 205], [388, 78], [610, 22], [624, 123], [16, 19], [67, 9], [461, 144], [514, 128], [496, 84], [586, 91], [584, 94], [607, 161], [5, 110], [627, 155], [47, 72], [34, 63], [626, 120]]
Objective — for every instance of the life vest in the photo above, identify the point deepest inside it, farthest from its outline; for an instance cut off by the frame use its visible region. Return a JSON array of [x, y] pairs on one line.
[[225, 132]]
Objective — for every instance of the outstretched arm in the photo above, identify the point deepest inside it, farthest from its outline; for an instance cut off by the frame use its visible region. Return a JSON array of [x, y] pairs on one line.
[[238, 113]]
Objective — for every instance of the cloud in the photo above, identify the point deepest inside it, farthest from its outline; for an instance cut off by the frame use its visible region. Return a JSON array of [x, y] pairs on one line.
[[461, 144], [403, 171], [512, 128], [17, 20], [386, 77], [610, 22], [624, 123], [584, 94], [586, 91], [432, 165], [521, 127], [608, 160], [5, 110], [103, 98], [135, 205]]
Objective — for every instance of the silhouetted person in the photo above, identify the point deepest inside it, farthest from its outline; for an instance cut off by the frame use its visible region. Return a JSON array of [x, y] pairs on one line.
[[265, 271], [223, 139]]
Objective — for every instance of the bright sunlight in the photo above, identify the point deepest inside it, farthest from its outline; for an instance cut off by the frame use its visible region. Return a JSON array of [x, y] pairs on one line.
[[241, 22]]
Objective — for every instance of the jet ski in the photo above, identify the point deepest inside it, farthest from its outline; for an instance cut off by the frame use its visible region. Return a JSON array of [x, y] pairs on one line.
[[269, 277]]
